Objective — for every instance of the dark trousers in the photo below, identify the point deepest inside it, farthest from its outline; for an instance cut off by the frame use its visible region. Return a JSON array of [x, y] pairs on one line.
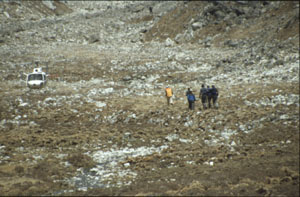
[[191, 105], [215, 98], [203, 100], [209, 97]]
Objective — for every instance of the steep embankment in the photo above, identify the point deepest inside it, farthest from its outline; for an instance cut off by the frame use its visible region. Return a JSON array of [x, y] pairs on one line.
[[219, 22]]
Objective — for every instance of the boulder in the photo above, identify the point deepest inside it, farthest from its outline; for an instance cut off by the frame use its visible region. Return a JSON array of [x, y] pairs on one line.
[[94, 38], [197, 25], [231, 43], [169, 42], [179, 38]]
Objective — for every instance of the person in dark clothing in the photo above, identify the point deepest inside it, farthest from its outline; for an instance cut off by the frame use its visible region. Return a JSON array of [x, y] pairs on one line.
[[191, 99], [203, 96], [209, 96], [215, 94]]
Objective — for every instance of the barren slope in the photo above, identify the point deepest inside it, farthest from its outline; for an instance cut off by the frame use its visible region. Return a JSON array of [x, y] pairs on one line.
[[101, 126]]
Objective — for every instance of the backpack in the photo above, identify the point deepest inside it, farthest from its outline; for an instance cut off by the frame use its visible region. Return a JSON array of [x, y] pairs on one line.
[[191, 97]]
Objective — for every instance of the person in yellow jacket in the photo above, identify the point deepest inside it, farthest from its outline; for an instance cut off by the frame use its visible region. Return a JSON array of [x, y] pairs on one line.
[[169, 94]]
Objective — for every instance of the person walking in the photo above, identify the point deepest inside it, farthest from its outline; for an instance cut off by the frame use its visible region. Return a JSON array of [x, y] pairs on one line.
[[209, 96], [169, 94], [215, 94], [191, 99], [150, 10], [203, 96], [188, 92]]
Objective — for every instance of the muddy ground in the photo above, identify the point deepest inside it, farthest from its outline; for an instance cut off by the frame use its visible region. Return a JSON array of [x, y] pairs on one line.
[[101, 126]]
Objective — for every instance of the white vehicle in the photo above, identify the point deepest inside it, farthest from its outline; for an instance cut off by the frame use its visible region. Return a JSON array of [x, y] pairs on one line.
[[37, 79]]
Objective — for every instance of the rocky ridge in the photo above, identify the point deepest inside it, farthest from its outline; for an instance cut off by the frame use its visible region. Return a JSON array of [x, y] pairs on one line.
[[101, 126]]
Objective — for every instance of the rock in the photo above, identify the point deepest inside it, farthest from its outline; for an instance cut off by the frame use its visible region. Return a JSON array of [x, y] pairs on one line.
[[94, 38], [6, 14], [126, 165], [127, 78], [49, 4], [242, 2], [231, 43], [196, 26], [279, 62], [179, 38], [262, 191], [169, 42], [138, 8], [219, 14], [238, 12]]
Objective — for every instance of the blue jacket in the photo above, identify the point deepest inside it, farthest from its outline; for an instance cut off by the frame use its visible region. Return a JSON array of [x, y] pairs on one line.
[[191, 97]]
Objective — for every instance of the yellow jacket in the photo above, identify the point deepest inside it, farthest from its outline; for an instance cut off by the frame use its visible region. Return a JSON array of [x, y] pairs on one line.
[[169, 92]]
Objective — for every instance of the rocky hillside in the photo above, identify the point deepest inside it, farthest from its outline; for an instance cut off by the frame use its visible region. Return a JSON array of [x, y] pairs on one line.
[[101, 126]]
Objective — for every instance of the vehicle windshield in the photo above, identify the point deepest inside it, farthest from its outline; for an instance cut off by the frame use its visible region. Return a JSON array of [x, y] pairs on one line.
[[35, 77]]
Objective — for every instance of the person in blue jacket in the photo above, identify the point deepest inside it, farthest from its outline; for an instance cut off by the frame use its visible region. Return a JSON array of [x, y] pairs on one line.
[[191, 99]]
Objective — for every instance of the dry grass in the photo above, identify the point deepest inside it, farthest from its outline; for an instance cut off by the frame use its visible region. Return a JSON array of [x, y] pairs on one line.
[[80, 160]]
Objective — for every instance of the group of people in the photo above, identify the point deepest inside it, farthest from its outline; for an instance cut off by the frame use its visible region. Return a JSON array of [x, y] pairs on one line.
[[208, 96]]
